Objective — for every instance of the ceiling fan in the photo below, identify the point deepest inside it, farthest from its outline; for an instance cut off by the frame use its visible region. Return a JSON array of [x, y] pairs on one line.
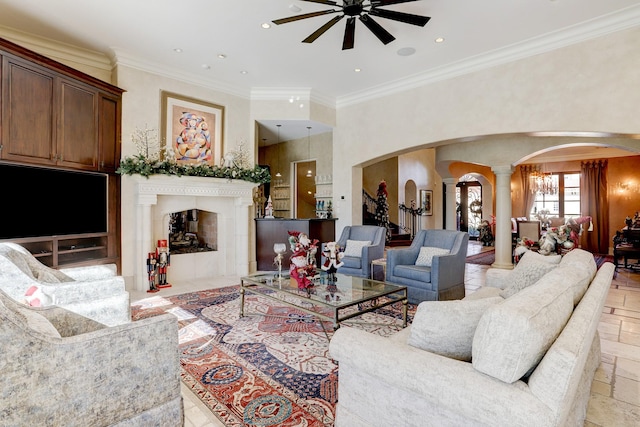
[[363, 10]]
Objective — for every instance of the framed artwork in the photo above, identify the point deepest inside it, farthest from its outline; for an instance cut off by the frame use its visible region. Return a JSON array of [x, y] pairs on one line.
[[192, 129], [426, 202]]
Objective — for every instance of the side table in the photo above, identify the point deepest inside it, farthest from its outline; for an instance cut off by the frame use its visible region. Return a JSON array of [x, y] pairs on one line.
[[383, 263]]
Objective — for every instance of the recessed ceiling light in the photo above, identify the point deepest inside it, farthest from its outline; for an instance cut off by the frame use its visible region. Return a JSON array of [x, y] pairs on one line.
[[439, 40], [206, 66], [244, 72], [266, 25], [357, 70], [222, 56], [177, 50], [406, 51]]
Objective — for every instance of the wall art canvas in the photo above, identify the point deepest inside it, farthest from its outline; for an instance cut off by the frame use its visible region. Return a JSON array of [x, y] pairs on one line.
[[193, 129], [426, 202]]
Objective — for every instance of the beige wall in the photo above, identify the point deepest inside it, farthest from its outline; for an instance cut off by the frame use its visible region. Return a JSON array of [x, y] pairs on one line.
[[590, 86]]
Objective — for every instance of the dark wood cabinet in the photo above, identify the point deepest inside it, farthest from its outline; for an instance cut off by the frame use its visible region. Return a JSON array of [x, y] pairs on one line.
[[28, 117], [54, 116], [275, 230]]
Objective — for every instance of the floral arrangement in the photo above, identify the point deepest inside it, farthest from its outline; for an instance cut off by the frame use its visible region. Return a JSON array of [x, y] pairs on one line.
[[151, 160], [303, 266], [543, 217]]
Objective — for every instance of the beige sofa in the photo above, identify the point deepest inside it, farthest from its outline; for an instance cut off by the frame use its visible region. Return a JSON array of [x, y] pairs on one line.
[[520, 352]]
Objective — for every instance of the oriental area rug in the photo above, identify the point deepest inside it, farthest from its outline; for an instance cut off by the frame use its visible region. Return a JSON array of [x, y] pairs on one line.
[[271, 369]]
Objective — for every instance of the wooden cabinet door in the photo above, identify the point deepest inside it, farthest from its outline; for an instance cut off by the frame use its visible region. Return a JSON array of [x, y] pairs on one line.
[[28, 119], [78, 126], [108, 133]]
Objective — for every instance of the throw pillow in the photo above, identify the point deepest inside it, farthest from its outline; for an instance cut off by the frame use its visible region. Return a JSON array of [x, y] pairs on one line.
[[37, 322], [447, 327], [425, 257], [528, 271], [35, 297], [354, 247]]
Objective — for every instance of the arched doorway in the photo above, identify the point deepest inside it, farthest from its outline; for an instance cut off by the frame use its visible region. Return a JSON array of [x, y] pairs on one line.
[[469, 205]]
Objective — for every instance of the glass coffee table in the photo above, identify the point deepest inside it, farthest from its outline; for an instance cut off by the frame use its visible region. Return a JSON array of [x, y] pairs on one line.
[[335, 302]]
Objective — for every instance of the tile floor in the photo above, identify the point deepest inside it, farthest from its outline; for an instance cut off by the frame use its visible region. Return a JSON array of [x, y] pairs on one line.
[[615, 392]]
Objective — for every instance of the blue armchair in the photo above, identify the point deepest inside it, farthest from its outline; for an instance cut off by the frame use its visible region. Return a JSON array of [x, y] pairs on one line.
[[361, 266], [440, 277]]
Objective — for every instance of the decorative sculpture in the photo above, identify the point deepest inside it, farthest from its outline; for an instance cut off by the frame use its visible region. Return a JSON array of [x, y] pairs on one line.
[[302, 268], [333, 260]]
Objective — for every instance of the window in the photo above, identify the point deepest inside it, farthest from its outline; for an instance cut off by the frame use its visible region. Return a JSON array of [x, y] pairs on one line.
[[564, 204]]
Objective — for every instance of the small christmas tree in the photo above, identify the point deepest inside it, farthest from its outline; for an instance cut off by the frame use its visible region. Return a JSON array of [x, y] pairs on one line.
[[382, 209]]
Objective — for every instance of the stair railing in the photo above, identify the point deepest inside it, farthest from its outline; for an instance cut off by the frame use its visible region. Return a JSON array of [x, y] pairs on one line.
[[410, 219]]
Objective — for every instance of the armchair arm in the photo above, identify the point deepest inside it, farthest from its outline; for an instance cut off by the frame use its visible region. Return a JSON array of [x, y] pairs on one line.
[[92, 272], [68, 323], [69, 292], [447, 271], [452, 386], [401, 257]]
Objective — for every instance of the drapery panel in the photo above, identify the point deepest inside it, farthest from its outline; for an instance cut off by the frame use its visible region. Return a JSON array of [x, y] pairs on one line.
[[594, 202], [528, 198]]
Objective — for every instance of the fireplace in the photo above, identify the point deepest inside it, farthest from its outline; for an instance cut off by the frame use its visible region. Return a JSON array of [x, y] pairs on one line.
[[192, 231], [159, 199]]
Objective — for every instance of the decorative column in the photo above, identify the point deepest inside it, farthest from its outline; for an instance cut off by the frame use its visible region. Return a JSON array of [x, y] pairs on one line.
[[242, 205], [503, 217], [143, 238], [450, 203]]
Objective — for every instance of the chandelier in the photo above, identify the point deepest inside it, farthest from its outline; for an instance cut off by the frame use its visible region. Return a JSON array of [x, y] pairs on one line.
[[544, 183]]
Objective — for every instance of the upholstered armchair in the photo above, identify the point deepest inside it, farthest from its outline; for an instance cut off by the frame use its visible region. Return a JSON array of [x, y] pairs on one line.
[[432, 268], [362, 244], [95, 292], [58, 368]]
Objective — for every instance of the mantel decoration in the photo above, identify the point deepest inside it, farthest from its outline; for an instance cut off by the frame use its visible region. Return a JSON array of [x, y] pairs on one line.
[[303, 259], [152, 159]]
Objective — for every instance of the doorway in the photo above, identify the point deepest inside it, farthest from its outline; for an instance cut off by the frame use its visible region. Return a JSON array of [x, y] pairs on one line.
[[469, 207], [305, 185]]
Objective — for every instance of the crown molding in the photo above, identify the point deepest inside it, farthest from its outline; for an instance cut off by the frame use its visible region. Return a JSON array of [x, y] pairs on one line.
[[123, 58], [614, 22], [58, 50]]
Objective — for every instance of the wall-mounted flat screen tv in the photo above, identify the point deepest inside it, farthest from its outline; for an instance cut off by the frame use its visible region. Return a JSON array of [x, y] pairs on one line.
[[49, 202]]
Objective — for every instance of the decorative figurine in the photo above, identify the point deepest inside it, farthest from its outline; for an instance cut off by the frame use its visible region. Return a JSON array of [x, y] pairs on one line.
[[268, 210], [162, 260], [151, 272], [333, 260]]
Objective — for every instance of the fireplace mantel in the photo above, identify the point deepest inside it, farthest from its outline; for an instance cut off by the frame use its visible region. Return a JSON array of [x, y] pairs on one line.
[[159, 195]]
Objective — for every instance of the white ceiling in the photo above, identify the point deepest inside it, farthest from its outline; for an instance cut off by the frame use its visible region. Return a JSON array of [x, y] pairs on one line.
[[144, 34]]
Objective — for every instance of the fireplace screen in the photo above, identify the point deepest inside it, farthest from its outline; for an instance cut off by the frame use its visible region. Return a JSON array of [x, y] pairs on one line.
[[192, 231]]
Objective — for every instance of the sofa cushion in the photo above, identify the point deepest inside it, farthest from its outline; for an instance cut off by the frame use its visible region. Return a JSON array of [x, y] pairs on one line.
[[447, 327], [512, 337], [427, 253], [529, 270], [483, 292], [354, 247], [413, 272], [579, 260]]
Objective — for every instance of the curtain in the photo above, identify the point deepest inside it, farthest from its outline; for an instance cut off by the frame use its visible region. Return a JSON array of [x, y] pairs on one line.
[[528, 198], [594, 202]]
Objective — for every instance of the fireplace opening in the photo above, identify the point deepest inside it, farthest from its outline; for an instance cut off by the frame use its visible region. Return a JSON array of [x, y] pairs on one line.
[[193, 230]]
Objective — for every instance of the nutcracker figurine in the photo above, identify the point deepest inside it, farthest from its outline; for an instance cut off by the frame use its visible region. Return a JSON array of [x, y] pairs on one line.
[[162, 260], [151, 272]]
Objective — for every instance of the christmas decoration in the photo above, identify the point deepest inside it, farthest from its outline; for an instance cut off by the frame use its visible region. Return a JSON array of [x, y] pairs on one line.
[[382, 209]]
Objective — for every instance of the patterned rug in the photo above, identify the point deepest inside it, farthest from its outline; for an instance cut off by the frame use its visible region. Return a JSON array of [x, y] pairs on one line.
[[483, 258], [261, 370]]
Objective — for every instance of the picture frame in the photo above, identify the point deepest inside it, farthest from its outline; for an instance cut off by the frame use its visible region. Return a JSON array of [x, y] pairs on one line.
[[192, 129], [426, 202]]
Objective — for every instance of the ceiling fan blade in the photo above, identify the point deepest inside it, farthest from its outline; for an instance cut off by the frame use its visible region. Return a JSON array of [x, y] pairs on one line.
[[376, 3], [320, 31], [382, 34], [304, 16], [349, 33], [407, 18], [327, 2]]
